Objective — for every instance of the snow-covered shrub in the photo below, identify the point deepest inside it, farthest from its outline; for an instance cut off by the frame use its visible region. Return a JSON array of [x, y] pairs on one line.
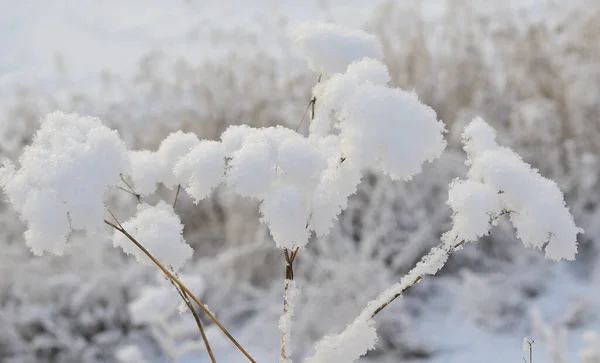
[[303, 183], [163, 104]]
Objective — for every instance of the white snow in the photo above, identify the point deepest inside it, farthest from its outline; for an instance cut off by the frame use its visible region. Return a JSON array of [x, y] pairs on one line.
[[285, 210], [475, 207], [202, 169], [347, 347], [159, 230], [294, 176], [62, 179], [150, 168], [130, 354], [330, 48], [535, 204]]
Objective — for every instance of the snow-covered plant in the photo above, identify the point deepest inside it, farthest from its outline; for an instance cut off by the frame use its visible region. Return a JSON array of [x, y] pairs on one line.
[[301, 182]]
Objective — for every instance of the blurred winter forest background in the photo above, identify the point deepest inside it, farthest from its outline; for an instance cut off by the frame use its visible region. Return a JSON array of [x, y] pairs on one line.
[[149, 67]]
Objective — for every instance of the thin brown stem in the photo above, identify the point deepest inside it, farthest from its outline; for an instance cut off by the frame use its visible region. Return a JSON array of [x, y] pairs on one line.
[[294, 254], [416, 281], [289, 262], [131, 189], [137, 196], [198, 321], [115, 219], [176, 195], [305, 112], [183, 288], [310, 103]]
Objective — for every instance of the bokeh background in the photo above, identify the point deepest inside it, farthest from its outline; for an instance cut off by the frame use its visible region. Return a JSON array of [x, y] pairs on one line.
[[531, 68]]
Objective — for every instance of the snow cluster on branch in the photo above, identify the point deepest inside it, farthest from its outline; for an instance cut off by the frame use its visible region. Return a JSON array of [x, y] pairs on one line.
[[150, 168], [62, 179], [303, 183], [500, 182], [494, 183], [160, 231]]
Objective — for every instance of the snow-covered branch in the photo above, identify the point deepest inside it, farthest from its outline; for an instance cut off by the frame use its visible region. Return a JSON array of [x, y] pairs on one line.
[[302, 182]]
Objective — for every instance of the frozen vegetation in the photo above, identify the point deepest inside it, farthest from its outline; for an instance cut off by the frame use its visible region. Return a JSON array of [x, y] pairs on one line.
[[301, 194]]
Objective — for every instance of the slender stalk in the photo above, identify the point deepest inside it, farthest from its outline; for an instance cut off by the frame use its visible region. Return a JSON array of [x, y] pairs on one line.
[[198, 321], [131, 190], [304, 114], [182, 286], [310, 103], [137, 196], [176, 195], [289, 277]]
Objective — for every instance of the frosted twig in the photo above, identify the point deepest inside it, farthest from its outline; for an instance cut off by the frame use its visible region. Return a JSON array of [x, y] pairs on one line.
[[182, 286], [176, 195], [197, 318], [408, 286], [289, 293]]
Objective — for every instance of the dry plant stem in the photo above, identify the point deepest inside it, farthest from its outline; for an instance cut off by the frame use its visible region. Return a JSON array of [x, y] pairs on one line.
[[181, 293], [181, 286], [417, 279], [137, 196], [131, 190], [198, 321], [176, 195], [310, 103], [304, 114]]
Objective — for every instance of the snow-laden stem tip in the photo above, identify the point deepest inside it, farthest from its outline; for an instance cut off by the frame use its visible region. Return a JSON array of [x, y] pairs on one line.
[[360, 336], [183, 288], [409, 285]]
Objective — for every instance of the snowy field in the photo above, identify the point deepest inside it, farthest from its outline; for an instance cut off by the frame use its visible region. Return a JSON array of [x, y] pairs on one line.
[[150, 67]]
